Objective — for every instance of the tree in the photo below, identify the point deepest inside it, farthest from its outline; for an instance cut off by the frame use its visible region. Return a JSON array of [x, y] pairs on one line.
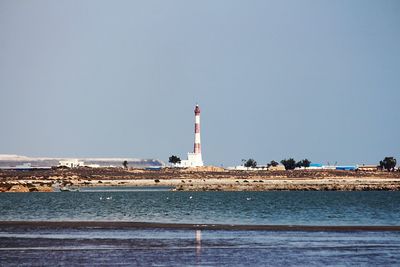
[[125, 164], [174, 159], [303, 163], [273, 163], [250, 163], [388, 163], [289, 164]]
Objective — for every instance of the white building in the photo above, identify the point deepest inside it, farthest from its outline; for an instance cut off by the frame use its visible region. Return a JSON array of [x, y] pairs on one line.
[[71, 163], [194, 160]]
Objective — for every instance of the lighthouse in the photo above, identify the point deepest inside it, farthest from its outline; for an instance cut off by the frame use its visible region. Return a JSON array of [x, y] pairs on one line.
[[194, 158], [197, 142]]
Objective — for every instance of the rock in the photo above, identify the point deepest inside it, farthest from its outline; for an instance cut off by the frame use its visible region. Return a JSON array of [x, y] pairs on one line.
[[44, 188], [18, 188]]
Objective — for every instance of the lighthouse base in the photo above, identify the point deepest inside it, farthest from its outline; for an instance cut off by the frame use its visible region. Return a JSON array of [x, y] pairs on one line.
[[194, 160]]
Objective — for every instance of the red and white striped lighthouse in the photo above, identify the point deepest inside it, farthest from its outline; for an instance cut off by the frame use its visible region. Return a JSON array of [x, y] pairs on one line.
[[194, 158], [197, 142]]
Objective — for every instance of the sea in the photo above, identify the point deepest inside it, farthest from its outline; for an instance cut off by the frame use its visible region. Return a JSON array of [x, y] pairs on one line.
[[172, 228]]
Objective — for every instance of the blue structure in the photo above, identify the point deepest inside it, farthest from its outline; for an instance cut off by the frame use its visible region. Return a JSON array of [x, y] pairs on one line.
[[346, 168], [318, 165]]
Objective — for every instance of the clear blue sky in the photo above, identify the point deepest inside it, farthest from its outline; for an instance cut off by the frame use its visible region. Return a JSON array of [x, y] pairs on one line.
[[274, 79]]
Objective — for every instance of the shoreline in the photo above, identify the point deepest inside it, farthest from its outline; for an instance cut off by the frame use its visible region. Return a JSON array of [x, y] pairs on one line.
[[186, 226], [200, 179]]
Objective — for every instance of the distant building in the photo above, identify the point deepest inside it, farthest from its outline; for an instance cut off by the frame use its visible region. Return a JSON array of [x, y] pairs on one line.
[[315, 166], [25, 167], [258, 168], [329, 167], [241, 168], [92, 165], [72, 163], [11, 161], [346, 168], [319, 165], [367, 167]]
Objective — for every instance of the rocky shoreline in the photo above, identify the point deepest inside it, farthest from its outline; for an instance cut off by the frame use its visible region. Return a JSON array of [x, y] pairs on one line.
[[200, 179]]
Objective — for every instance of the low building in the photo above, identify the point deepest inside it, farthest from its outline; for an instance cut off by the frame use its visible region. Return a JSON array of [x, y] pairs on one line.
[[92, 165], [329, 167], [315, 166], [367, 167], [25, 167], [71, 163], [241, 168], [194, 160], [346, 168], [257, 168]]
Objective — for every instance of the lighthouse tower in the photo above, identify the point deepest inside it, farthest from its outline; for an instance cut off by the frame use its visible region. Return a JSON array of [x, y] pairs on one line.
[[195, 159], [197, 142]]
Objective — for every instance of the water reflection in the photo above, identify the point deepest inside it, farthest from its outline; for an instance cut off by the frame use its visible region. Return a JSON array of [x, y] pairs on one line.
[[198, 246], [166, 247], [198, 242]]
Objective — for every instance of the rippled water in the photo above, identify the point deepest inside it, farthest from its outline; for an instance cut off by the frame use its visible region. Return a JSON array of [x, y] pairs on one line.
[[160, 247], [89, 246], [131, 204]]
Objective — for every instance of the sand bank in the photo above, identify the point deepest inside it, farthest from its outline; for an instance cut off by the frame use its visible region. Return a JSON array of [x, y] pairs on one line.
[[150, 225], [215, 179]]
